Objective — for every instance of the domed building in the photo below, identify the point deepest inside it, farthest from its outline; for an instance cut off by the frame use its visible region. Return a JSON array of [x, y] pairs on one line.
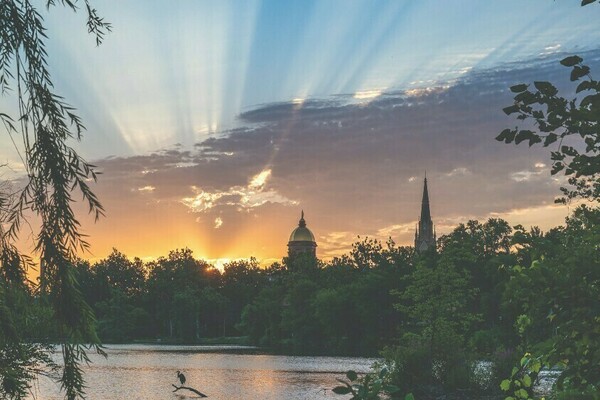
[[302, 240]]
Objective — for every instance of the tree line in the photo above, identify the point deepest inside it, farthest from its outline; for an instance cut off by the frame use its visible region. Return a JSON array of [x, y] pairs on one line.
[[489, 292]]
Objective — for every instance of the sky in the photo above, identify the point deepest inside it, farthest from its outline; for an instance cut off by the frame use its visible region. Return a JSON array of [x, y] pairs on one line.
[[215, 123]]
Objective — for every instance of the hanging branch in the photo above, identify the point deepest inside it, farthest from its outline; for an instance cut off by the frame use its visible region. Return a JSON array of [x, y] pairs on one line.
[[46, 123]]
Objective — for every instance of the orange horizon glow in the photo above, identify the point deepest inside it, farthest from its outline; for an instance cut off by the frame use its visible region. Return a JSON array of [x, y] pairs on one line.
[[153, 242]]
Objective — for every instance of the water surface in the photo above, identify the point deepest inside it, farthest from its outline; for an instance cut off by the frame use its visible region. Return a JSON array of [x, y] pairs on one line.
[[222, 372]]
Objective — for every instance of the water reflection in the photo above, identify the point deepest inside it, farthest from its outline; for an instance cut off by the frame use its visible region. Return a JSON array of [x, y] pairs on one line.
[[222, 372]]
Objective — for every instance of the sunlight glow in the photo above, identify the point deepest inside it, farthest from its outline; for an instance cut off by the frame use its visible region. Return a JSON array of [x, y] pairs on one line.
[[259, 180], [419, 92], [202, 201], [219, 263], [368, 94], [186, 80], [243, 197]]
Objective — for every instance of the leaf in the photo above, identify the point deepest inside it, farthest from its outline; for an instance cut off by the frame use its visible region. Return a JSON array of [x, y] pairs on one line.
[[525, 135], [526, 98], [524, 360], [522, 393], [511, 109], [556, 168], [546, 88], [578, 72], [585, 85], [505, 385], [571, 61], [409, 397], [590, 101], [569, 151], [391, 389], [551, 138], [507, 135], [519, 88], [534, 139], [352, 375], [341, 390], [526, 381]]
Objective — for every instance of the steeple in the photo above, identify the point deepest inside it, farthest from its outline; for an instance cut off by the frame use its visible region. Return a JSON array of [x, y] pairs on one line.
[[425, 234], [425, 213]]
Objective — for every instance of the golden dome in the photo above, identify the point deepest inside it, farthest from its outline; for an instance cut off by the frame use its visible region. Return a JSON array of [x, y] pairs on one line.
[[302, 233]]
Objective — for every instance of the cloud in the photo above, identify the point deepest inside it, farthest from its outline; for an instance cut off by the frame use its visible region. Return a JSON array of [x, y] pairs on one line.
[[397, 229], [258, 182], [368, 94], [241, 197], [355, 168], [425, 91], [335, 243], [218, 222], [460, 171], [202, 201], [524, 176]]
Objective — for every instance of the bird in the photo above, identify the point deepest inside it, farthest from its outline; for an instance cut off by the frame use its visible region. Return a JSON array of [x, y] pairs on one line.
[[181, 377]]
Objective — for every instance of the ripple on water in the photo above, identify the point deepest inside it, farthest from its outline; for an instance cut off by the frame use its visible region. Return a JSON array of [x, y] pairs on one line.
[[148, 371]]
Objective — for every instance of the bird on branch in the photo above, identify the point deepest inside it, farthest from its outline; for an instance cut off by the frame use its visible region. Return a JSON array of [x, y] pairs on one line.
[[181, 377]]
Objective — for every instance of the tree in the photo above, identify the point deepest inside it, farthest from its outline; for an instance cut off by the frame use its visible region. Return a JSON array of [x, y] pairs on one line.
[[54, 170], [117, 271], [242, 281], [435, 308], [558, 292], [559, 298], [174, 286]]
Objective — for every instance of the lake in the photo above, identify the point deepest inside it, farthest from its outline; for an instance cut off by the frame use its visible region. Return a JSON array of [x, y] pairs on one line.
[[221, 372]]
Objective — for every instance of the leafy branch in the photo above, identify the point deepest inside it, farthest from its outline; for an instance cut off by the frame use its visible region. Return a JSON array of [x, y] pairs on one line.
[[557, 120]]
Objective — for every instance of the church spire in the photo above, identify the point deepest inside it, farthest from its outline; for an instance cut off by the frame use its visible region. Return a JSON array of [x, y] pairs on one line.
[[425, 213], [425, 235]]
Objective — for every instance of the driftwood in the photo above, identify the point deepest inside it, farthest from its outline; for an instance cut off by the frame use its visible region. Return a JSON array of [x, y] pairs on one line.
[[190, 389]]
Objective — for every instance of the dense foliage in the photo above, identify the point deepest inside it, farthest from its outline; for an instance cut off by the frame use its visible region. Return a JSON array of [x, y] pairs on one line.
[[301, 306]]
